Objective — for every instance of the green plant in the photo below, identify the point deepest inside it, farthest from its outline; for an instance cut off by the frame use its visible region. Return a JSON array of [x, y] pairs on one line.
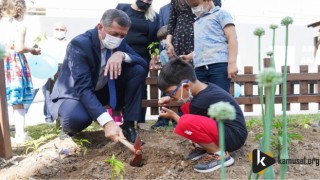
[[153, 49], [222, 111], [117, 167], [260, 32], [304, 121], [40, 37], [284, 152], [273, 27], [276, 139], [268, 78], [34, 145], [81, 143], [45, 131]]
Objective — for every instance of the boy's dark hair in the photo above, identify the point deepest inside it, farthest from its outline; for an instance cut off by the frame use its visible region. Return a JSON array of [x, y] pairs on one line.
[[174, 72], [162, 32]]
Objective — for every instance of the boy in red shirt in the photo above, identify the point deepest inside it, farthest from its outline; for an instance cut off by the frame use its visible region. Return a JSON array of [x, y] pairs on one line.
[[178, 81]]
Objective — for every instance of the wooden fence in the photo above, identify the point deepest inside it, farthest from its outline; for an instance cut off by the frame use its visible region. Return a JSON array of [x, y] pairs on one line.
[[309, 88]]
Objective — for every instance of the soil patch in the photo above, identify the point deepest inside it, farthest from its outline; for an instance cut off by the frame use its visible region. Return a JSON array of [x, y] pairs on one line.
[[163, 158]]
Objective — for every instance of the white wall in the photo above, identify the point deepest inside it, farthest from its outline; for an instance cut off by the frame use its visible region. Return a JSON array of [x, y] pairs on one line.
[[81, 15]]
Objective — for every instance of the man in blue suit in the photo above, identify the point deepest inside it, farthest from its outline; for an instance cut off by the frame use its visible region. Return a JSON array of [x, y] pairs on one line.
[[164, 14], [100, 69]]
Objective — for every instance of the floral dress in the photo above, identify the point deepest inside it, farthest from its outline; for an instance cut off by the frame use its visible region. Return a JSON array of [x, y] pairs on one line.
[[180, 26], [17, 71]]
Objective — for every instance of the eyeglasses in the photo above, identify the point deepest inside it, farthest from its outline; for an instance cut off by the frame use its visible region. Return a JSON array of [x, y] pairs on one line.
[[175, 90]]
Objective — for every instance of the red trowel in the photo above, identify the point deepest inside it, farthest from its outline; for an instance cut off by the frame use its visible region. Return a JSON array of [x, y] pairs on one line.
[[136, 150]]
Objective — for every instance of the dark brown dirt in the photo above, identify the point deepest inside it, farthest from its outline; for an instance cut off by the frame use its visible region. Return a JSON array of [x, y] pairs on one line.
[[162, 159]]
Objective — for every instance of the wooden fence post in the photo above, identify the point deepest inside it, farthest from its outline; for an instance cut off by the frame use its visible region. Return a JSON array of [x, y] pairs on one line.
[[5, 143], [154, 92], [318, 86], [304, 87], [248, 89]]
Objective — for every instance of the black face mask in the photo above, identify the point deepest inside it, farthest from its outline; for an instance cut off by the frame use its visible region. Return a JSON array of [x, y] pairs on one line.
[[142, 5]]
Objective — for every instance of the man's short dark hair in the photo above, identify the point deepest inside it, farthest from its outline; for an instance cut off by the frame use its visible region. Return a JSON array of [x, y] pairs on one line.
[[116, 15], [174, 72]]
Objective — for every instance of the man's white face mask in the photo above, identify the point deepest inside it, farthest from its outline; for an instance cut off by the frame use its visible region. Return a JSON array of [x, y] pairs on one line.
[[60, 34], [111, 42]]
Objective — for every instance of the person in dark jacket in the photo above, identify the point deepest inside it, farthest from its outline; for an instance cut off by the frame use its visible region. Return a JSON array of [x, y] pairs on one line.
[[100, 69], [143, 32]]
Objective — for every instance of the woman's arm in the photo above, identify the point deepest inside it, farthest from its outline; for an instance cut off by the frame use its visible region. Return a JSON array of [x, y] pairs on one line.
[[19, 42]]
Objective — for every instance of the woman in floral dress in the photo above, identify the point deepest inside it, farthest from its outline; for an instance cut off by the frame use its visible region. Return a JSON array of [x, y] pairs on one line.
[[180, 29]]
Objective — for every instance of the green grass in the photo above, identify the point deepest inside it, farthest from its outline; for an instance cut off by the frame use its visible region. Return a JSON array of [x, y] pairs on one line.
[[47, 131], [301, 120]]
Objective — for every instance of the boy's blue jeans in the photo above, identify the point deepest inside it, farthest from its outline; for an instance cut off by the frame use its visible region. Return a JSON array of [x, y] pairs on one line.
[[214, 73]]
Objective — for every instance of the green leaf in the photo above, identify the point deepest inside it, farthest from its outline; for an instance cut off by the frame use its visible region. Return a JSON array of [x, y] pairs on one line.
[[295, 136], [258, 137]]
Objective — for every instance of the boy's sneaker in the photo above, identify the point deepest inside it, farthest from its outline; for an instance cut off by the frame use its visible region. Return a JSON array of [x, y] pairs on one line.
[[211, 162], [196, 153]]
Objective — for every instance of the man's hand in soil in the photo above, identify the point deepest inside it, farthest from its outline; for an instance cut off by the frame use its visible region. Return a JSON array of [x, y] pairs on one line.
[[112, 131]]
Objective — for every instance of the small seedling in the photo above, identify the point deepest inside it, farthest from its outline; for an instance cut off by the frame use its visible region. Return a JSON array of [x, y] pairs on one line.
[[81, 143], [276, 140], [34, 145], [117, 167], [39, 38], [153, 49]]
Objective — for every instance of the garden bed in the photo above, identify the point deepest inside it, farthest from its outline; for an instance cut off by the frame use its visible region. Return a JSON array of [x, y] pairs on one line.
[[162, 158]]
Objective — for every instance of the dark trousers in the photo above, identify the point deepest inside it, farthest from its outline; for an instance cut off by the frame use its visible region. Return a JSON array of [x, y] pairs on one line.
[[130, 85], [214, 73]]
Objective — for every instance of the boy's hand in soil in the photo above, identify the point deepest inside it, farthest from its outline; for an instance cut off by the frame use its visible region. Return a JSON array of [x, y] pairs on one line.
[[169, 114], [112, 131], [163, 101]]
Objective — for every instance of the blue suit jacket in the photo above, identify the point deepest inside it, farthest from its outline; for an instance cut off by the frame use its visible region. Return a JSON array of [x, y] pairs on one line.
[[80, 71], [164, 14]]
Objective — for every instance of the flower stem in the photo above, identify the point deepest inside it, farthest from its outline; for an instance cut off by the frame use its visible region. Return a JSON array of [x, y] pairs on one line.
[[267, 130], [284, 151], [222, 149], [273, 44]]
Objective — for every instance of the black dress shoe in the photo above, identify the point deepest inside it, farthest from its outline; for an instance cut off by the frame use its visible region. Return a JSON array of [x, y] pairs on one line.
[[174, 123], [130, 134], [162, 122]]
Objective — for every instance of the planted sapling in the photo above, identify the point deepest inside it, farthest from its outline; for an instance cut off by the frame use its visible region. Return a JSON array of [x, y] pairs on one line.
[[117, 167]]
